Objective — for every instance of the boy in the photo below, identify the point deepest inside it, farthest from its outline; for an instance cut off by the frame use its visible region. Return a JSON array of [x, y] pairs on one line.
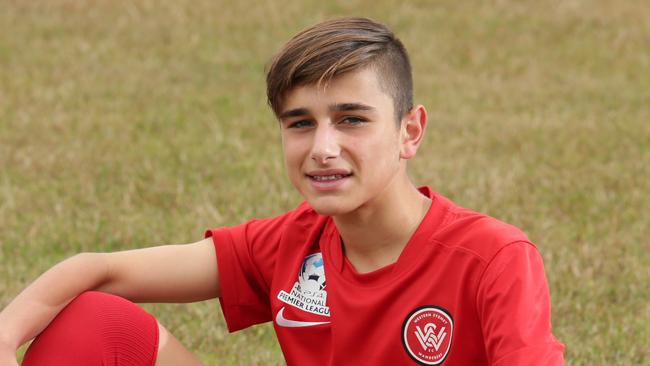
[[370, 270]]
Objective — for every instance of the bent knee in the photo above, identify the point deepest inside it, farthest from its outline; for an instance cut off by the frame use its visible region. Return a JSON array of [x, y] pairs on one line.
[[97, 328]]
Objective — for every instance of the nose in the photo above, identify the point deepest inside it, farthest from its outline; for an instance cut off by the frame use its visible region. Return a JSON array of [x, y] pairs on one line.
[[325, 145]]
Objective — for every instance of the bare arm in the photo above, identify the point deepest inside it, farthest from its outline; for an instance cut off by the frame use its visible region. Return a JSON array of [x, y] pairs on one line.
[[170, 273]]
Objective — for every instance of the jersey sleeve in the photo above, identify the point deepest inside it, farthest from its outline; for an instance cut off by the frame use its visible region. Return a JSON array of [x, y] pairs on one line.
[[245, 262], [513, 304]]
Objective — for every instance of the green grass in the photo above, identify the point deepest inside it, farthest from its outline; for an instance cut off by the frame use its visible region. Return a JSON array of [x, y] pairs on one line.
[[126, 124]]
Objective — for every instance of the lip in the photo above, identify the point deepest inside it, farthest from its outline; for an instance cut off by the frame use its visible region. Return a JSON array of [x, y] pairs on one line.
[[339, 178], [322, 172]]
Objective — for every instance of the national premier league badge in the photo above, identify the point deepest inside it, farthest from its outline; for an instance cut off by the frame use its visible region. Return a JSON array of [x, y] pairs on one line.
[[309, 293], [427, 333]]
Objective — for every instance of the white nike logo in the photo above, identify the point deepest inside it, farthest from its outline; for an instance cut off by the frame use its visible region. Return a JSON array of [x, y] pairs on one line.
[[284, 322]]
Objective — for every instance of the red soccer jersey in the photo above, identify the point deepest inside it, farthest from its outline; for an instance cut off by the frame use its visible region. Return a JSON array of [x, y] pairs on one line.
[[466, 290]]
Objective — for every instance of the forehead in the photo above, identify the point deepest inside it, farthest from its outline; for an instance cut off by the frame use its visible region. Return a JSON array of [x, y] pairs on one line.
[[357, 87]]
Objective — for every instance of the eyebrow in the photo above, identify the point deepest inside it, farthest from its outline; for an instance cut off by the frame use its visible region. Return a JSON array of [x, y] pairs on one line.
[[345, 107], [339, 107], [297, 112]]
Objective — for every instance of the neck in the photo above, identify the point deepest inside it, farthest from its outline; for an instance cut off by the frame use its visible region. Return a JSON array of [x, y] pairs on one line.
[[374, 235]]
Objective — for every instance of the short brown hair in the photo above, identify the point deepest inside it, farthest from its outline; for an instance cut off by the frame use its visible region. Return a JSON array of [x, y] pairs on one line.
[[338, 46]]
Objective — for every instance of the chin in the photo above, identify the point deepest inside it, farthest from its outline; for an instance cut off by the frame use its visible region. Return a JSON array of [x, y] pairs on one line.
[[330, 207]]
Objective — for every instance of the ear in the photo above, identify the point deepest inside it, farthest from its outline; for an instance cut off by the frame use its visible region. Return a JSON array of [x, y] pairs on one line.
[[412, 130]]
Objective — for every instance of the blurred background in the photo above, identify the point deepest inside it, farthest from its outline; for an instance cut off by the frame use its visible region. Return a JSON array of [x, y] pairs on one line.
[[129, 124]]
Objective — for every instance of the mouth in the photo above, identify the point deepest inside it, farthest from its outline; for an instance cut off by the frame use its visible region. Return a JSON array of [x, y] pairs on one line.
[[328, 180]]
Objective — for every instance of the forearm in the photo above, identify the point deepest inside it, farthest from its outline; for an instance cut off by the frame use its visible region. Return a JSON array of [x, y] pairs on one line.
[[35, 307]]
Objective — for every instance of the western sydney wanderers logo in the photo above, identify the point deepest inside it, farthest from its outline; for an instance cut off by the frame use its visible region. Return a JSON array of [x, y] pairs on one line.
[[426, 334]]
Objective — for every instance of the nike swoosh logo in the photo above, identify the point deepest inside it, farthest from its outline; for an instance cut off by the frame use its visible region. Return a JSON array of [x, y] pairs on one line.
[[284, 322]]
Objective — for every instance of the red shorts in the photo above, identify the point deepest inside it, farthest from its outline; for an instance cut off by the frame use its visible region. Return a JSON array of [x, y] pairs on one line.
[[97, 329]]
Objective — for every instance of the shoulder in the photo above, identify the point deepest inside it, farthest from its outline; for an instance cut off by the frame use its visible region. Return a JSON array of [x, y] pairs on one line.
[[477, 233]]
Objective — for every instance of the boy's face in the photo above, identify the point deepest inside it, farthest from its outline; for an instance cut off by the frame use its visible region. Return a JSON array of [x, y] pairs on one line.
[[342, 143]]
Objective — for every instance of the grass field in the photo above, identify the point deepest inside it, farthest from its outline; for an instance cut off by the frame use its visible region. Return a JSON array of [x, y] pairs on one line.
[[127, 124]]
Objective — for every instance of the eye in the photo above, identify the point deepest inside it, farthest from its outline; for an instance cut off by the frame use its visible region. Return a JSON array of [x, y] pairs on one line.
[[300, 124], [352, 121]]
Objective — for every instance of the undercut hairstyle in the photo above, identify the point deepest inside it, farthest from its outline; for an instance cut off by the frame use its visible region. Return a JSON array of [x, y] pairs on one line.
[[335, 47]]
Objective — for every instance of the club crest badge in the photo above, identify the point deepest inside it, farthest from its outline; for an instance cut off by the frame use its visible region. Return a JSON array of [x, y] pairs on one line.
[[427, 333]]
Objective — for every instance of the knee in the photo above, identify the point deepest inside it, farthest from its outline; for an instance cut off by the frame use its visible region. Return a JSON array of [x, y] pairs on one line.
[[93, 314], [96, 326], [96, 307]]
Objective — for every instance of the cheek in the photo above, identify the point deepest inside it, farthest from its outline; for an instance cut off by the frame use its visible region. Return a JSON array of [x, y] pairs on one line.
[[293, 155], [378, 158], [386, 149], [390, 162]]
